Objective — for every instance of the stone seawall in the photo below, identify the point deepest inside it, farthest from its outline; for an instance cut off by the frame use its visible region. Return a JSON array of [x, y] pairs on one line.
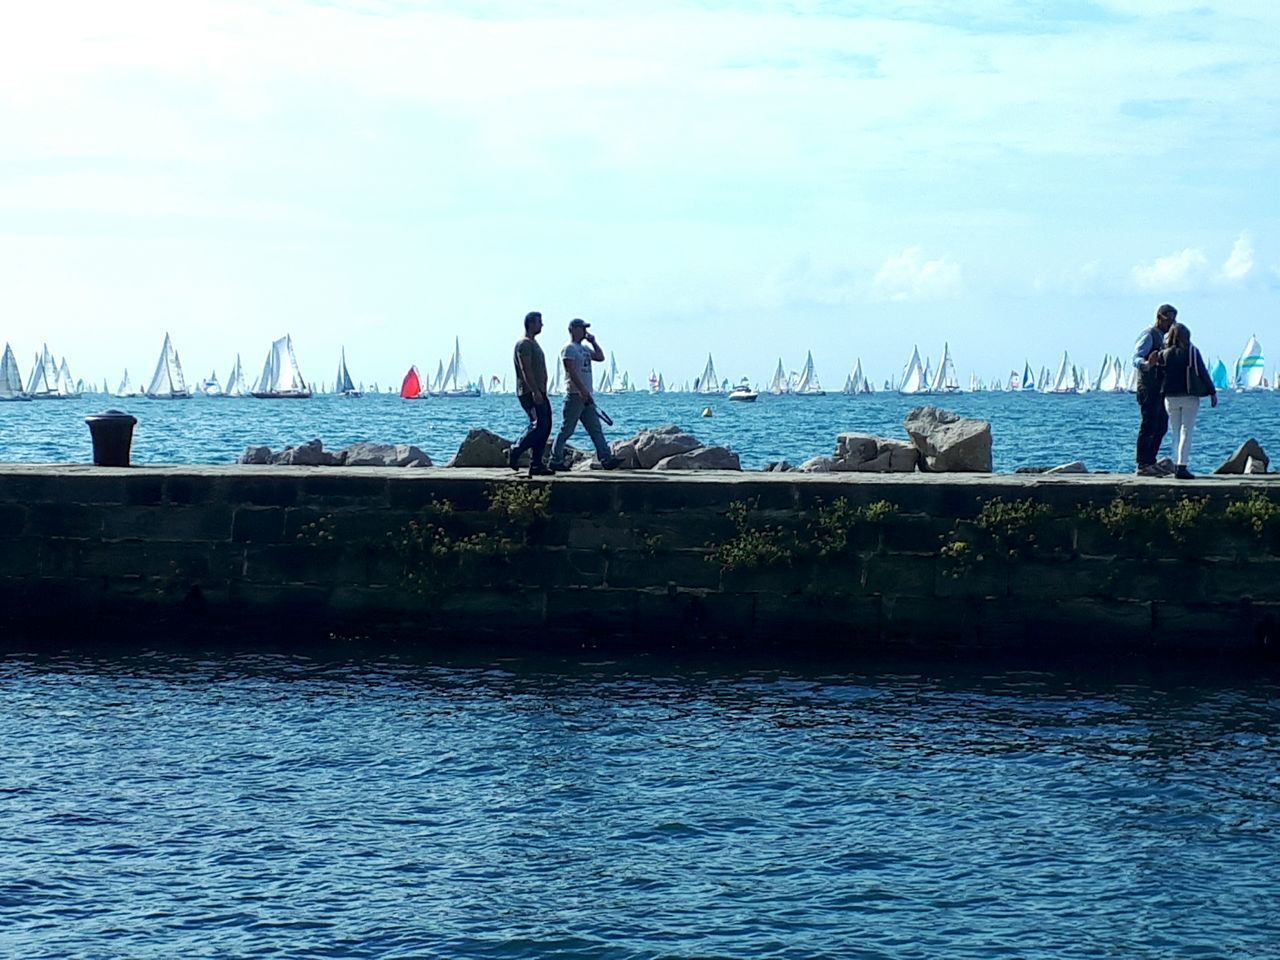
[[836, 561]]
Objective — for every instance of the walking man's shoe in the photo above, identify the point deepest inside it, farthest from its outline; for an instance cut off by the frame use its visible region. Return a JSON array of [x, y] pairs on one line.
[[612, 463], [1148, 470]]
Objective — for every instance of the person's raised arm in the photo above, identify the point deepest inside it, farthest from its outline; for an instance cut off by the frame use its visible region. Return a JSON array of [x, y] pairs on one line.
[[598, 356]]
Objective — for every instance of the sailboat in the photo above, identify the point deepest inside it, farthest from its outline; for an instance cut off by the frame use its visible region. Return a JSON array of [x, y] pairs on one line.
[[913, 377], [168, 383], [1221, 380], [655, 382], [709, 384], [856, 382], [236, 386], [281, 379], [1065, 380], [944, 380], [343, 385], [453, 382], [808, 384], [10, 378], [411, 386], [1028, 381], [43, 382], [555, 389], [779, 385], [1251, 367]]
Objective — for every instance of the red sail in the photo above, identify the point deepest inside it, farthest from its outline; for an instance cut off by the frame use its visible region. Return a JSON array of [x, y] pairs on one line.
[[411, 388]]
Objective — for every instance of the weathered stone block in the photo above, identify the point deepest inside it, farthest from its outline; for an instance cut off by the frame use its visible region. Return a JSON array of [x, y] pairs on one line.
[[258, 525], [900, 575], [142, 490], [684, 569], [602, 533], [13, 519], [190, 489], [168, 522], [948, 442], [262, 491], [63, 520]]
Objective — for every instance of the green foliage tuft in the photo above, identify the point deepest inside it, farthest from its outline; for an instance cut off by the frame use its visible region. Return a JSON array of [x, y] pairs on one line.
[[1259, 512]]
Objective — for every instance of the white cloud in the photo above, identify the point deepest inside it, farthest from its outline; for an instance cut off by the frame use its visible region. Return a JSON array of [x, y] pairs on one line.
[[907, 276], [1240, 264], [1177, 272]]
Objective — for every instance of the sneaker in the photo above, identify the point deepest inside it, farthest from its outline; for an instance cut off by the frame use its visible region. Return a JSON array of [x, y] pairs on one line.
[[613, 463], [538, 470], [512, 460], [1182, 473], [557, 467], [1148, 470], [1166, 467]]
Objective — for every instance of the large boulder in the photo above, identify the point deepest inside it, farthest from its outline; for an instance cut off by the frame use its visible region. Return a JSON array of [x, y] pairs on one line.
[[482, 448], [383, 455], [650, 446], [948, 442], [1238, 461], [817, 465], [309, 454], [864, 453], [701, 458], [255, 455], [1075, 466], [778, 466]]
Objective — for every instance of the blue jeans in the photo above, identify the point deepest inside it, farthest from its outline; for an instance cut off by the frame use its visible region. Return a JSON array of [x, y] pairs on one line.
[[575, 409]]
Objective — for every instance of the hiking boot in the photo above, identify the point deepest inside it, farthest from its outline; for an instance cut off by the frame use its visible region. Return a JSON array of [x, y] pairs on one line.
[[612, 463], [1182, 473]]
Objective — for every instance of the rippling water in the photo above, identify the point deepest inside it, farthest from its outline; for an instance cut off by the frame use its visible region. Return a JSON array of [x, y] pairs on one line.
[[1097, 428], [166, 805]]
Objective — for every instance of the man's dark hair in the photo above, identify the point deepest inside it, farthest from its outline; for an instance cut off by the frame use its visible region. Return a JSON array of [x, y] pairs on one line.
[[530, 317]]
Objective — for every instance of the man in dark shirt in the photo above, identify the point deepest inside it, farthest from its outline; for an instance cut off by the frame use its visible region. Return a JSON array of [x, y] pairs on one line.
[[1155, 419], [531, 391]]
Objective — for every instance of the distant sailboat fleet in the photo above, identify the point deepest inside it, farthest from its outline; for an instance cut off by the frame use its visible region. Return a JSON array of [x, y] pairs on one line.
[[281, 378]]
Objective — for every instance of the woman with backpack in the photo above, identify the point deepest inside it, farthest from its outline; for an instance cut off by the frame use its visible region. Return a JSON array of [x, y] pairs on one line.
[[1186, 380]]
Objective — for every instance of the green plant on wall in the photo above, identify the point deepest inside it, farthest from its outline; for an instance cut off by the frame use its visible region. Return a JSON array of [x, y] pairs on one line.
[[1005, 530], [431, 551], [834, 525], [1257, 513], [753, 544], [1181, 520]]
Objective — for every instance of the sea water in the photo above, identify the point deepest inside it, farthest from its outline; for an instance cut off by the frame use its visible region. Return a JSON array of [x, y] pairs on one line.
[[1037, 429], [216, 804]]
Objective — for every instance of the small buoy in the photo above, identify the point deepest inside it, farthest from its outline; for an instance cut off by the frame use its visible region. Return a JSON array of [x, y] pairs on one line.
[[706, 412]]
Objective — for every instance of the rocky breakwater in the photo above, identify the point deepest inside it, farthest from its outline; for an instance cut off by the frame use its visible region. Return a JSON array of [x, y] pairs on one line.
[[939, 442], [313, 454], [661, 448]]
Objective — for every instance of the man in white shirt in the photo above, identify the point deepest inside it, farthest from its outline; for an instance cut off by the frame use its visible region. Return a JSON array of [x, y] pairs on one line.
[[579, 400]]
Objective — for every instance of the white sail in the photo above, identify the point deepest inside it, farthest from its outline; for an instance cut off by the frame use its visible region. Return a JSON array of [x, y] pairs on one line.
[[913, 377], [709, 383], [168, 383], [808, 384], [281, 377], [944, 380], [454, 382], [10, 378], [66, 382], [1251, 367], [1065, 379], [856, 381], [236, 385], [779, 384]]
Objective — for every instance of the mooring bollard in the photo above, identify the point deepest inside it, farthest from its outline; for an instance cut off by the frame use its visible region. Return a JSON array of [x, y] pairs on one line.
[[112, 434]]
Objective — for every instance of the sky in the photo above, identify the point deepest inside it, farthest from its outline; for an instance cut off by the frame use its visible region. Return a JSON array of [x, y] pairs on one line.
[[750, 179]]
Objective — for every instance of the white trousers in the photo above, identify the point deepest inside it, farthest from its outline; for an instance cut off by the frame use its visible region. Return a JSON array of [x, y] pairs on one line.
[[1182, 423]]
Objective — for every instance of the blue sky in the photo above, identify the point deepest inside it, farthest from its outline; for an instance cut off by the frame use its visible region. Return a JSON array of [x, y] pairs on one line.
[[752, 179]]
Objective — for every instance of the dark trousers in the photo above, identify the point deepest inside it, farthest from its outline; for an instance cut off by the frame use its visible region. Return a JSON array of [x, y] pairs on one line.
[[535, 437], [1155, 424]]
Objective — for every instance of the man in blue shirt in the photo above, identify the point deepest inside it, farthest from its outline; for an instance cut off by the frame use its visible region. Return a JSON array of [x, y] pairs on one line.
[[1155, 418]]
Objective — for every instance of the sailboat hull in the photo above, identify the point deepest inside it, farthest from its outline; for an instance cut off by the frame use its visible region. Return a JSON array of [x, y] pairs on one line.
[[282, 395]]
